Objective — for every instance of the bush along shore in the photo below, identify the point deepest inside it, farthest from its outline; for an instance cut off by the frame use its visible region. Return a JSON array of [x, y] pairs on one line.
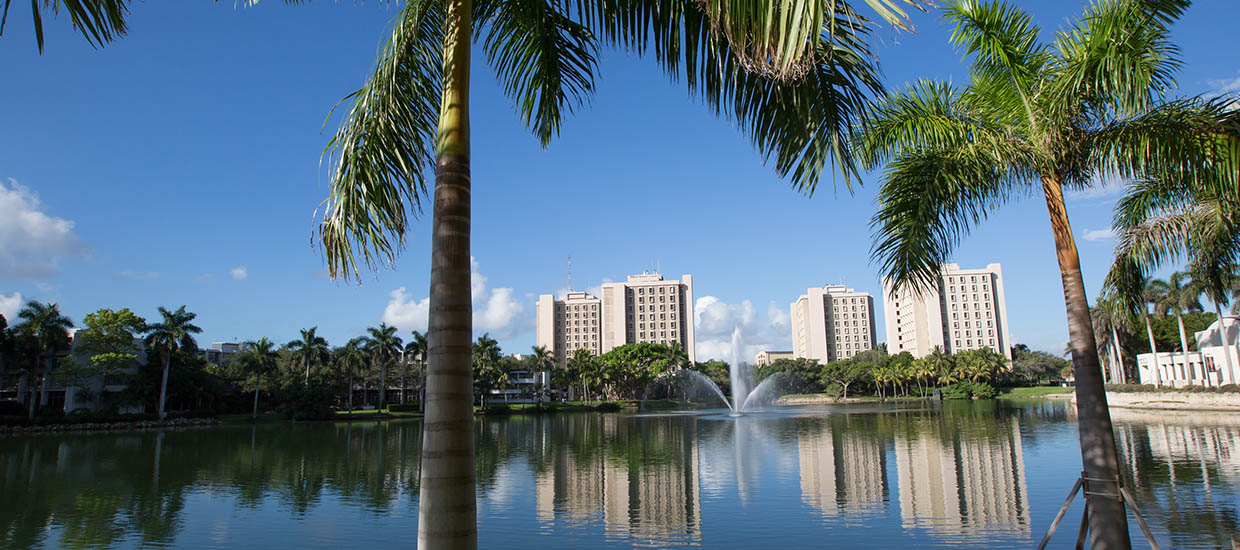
[[84, 425]]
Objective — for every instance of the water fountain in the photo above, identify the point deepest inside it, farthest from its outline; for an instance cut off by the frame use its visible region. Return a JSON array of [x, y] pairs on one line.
[[745, 396]]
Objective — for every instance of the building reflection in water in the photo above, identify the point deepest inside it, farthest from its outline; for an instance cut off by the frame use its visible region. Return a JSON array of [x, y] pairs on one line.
[[1182, 468], [843, 465], [639, 476], [961, 482]]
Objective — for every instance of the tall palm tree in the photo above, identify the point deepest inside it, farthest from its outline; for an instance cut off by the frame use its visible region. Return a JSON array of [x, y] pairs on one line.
[[1177, 216], [419, 348], [351, 358], [312, 349], [384, 346], [792, 74], [1128, 288], [1176, 296], [49, 331], [175, 331], [261, 354], [1110, 314], [1037, 117]]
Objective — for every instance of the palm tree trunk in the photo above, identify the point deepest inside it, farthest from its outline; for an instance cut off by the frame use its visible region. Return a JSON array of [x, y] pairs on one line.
[[1108, 524], [258, 378], [1149, 331], [447, 512], [1119, 377], [1222, 338], [163, 386], [1184, 347], [307, 371]]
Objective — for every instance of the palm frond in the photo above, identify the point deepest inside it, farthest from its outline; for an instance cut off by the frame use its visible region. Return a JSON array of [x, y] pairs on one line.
[[1002, 39], [99, 21], [930, 200], [386, 143], [1118, 56], [546, 60]]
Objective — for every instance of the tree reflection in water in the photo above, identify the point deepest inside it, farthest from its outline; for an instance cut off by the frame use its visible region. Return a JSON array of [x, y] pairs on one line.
[[944, 475]]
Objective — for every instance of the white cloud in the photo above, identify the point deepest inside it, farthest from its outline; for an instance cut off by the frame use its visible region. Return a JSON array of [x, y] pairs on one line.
[[205, 277], [1099, 234], [32, 243], [496, 311], [10, 305], [132, 275], [405, 313], [715, 321], [239, 272]]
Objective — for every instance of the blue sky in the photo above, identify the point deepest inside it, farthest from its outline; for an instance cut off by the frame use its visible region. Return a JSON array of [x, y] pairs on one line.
[[180, 165]]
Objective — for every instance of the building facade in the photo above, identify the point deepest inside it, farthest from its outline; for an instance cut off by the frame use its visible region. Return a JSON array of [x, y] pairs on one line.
[[966, 309], [1217, 361], [764, 358], [832, 323], [643, 308]]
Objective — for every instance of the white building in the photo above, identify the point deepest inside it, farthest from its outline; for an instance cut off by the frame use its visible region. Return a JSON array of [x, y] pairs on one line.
[[1206, 367], [832, 323], [644, 308], [966, 309], [764, 358]]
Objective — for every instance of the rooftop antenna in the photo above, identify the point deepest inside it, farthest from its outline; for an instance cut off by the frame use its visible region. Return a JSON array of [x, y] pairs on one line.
[[570, 272]]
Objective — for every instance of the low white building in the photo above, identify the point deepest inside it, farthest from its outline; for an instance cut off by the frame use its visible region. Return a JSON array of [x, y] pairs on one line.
[[1206, 367]]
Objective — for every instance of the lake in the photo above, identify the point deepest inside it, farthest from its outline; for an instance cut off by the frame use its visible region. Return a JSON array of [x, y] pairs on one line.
[[984, 473]]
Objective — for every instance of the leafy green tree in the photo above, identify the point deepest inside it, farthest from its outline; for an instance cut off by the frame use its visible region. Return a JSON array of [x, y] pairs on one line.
[[174, 332], [584, 369], [488, 372], [630, 368], [802, 375], [310, 350], [107, 341], [845, 373], [1038, 116], [48, 332], [1034, 366], [720, 373], [384, 346]]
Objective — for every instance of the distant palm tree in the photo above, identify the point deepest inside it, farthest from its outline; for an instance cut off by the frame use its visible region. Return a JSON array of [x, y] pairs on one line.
[[1038, 118], [350, 358], [1110, 314], [312, 349], [418, 346], [175, 331], [49, 330], [261, 354], [1176, 296], [384, 346]]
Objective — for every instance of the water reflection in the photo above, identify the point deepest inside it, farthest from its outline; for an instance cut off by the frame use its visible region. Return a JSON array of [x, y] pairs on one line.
[[882, 477]]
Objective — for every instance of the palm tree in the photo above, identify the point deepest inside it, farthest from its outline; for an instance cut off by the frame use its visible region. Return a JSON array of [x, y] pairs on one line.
[[261, 354], [174, 332], [545, 360], [487, 371], [418, 347], [1109, 315], [1037, 117], [1176, 296], [1186, 216], [794, 75], [312, 349], [582, 365], [351, 358], [383, 346], [49, 331]]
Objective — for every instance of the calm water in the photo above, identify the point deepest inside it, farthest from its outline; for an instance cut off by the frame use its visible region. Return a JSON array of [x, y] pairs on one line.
[[978, 474]]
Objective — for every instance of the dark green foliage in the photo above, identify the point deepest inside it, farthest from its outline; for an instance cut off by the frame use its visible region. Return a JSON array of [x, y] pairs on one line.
[[403, 407], [298, 401], [802, 375], [11, 408], [966, 389], [1035, 366]]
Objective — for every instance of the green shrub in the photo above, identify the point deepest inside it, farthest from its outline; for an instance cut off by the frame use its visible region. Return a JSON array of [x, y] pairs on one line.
[[607, 407], [1229, 388], [982, 390], [959, 390], [498, 408], [301, 402]]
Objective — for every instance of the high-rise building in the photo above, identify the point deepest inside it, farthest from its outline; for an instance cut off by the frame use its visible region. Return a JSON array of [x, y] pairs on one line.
[[644, 308], [832, 323], [964, 310]]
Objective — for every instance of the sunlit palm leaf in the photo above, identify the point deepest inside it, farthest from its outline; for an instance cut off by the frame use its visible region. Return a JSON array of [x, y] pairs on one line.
[[384, 146], [545, 60]]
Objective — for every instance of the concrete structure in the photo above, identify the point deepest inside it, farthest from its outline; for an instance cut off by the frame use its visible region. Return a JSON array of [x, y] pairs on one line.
[[644, 308], [765, 358], [1206, 367], [831, 323], [965, 309], [221, 353]]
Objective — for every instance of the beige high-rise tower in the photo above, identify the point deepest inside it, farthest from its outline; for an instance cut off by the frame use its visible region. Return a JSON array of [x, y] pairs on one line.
[[965, 310], [832, 323], [644, 308]]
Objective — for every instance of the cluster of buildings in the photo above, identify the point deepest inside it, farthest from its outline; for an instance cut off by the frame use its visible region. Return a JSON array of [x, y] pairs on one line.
[[965, 309]]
